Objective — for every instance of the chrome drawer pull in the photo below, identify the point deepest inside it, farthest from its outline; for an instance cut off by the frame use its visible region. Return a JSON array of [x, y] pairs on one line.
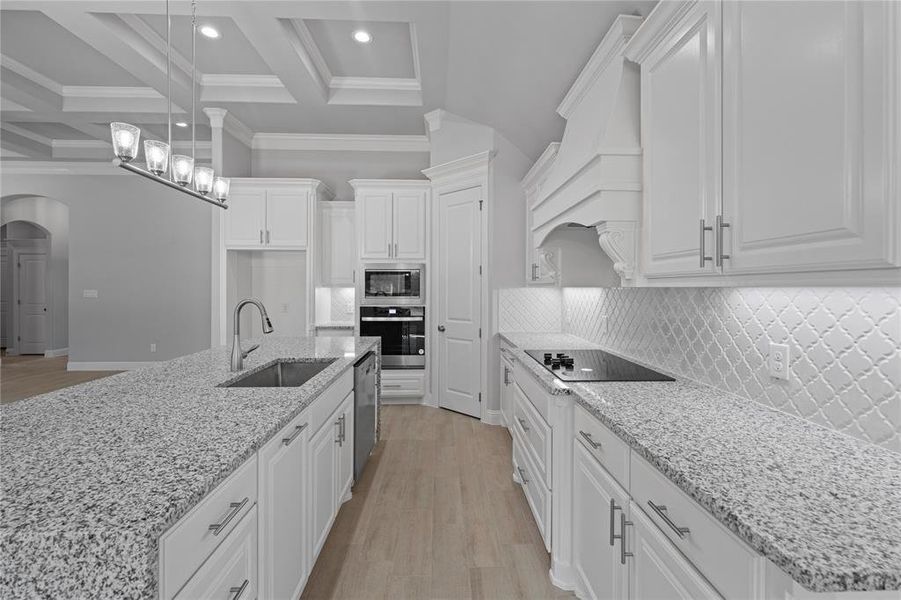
[[236, 507], [587, 436], [704, 258], [613, 509], [522, 423], [623, 523], [339, 439], [239, 591], [522, 475], [293, 436], [660, 509]]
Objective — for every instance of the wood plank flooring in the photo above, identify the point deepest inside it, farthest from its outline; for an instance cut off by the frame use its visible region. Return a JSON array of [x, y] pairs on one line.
[[26, 376], [435, 515]]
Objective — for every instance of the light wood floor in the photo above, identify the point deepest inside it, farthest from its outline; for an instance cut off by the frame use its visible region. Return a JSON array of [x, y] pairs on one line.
[[26, 376], [435, 515]]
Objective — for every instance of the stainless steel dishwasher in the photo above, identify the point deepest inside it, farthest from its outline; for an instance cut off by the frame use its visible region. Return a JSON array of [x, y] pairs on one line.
[[364, 411]]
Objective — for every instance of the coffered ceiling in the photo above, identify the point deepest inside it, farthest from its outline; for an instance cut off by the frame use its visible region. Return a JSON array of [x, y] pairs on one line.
[[71, 66]]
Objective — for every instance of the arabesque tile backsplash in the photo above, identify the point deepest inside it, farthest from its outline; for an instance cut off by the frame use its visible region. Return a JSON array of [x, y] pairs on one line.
[[845, 343]]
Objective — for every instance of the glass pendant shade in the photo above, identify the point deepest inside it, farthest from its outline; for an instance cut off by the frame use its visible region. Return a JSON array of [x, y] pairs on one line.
[[220, 188], [203, 180], [182, 169], [157, 156], [125, 140]]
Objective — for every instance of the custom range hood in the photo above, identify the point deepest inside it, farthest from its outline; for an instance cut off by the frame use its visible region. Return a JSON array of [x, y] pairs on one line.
[[593, 176]]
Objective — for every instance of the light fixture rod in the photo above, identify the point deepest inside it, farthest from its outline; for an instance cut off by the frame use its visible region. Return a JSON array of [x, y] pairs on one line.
[[169, 76], [167, 182], [193, 83]]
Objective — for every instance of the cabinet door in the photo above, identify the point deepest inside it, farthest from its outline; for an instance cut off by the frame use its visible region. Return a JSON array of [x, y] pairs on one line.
[[287, 217], [323, 484], [374, 221], [680, 130], [658, 570], [245, 219], [597, 555], [805, 119], [345, 466], [338, 253], [409, 225], [506, 379], [284, 563]]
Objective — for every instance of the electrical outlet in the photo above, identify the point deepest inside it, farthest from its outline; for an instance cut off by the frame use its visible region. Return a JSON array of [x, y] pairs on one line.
[[778, 361], [284, 307], [602, 324], [152, 348]]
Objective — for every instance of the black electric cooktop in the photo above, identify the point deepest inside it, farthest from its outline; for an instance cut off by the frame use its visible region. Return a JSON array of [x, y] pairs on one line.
[[593, 365]]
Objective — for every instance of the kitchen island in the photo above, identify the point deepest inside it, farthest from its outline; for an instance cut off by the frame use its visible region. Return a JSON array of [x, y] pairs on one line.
[[93, 475]]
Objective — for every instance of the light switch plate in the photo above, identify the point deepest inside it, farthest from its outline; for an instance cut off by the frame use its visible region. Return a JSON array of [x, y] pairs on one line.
[[778, 361], [89, 293]]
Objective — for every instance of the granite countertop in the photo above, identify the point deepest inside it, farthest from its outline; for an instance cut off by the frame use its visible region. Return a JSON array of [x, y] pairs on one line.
[[822, 506], [94, 474], [334, 325]]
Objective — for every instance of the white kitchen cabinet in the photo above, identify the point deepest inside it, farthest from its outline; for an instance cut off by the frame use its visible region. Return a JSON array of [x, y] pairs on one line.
[[246, 217], [337, 258], [345, 459], [541, 265], [391, 218], [284, 559], [599, 504], [506, 394], [323, 482], [287, 216]]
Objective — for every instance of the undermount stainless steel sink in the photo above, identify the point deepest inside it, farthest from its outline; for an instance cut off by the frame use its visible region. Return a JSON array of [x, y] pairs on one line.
[[282, 374]]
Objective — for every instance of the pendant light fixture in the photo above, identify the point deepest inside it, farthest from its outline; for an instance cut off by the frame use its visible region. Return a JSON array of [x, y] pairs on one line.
[[176, 171]]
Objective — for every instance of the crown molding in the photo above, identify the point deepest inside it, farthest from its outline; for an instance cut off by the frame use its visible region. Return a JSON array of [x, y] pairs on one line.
[[25, 133], [238, 129], [610, 49], [541, 166], [460, 166], [659, 23], [244, 88], [305, 47], [388, 183], [340, 142], [103, 91], [43, 167], [375, 91], [31, 75]]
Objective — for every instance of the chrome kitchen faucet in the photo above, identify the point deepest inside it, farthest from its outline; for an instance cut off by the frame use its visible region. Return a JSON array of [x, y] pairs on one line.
[[238, 355]]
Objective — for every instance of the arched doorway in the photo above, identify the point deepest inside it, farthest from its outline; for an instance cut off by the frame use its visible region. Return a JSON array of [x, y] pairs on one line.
[[25, 296]]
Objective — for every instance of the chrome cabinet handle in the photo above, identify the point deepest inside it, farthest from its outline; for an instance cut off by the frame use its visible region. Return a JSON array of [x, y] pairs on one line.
[[704, 258], [236, 507], [623, 523], [238, 591], [613, 509], [343, 428], [588, 439], [268, 236], [660, 509], [506, 376], [720, 225], [395, 249], [441, 328], [522, 475], [293, 436], [534, 271], [261, 236], [522, 423]]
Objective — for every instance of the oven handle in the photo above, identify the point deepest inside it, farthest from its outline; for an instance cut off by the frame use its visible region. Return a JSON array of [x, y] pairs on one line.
[[382, 319]]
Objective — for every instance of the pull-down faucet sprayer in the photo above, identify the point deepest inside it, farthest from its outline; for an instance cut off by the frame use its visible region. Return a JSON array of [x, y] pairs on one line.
[[238, 355]]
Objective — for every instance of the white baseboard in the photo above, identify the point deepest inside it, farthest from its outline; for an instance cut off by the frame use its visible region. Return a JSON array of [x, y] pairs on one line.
[[108, 366], [492, 417], [56, 352]]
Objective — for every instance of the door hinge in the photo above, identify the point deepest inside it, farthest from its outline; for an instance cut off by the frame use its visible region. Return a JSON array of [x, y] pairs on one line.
[[480, 332], [18, 302], [480, 269], [19, 338]]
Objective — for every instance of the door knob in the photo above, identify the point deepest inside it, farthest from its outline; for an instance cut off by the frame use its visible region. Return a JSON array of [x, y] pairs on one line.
[[441, 328]]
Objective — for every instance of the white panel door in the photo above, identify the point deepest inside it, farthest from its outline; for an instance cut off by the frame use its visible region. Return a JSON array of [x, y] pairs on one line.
[[658, 570], [6, 290], [374, 220], [338, 252], [322, 484], [597, 551], [245, 219], [409, 225], [459, 294], [287, 217], [680, 130], [805, 118], [284, 563], [32, 303]]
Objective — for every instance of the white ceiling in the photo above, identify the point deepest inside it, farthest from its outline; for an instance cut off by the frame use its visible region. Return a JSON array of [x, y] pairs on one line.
[[68, 68]]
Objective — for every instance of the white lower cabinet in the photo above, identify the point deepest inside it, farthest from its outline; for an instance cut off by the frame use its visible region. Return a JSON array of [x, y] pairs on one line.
[[506, 395], [323, 476], [345, 459]]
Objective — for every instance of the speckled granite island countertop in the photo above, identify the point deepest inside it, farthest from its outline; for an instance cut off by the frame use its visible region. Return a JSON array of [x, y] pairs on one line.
[[92, 475], [822, 506]]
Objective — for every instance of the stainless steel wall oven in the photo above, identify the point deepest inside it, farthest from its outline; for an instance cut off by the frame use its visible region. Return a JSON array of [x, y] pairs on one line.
[[402, 329]]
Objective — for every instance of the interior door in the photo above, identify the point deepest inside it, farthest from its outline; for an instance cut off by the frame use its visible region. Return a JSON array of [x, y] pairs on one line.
[[680, 130], [245, 219], [375, 221], [5, 295], [459, 295], [32, 302], [287, 218], [409, 225]]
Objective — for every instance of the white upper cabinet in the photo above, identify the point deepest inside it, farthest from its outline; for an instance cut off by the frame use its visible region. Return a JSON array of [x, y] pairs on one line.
[[245, 218], [391, 218], [287, 215], [338, 250]]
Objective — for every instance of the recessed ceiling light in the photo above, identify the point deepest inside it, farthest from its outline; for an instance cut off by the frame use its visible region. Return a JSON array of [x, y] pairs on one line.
[[181, 124], [362, 36], [209, 31]]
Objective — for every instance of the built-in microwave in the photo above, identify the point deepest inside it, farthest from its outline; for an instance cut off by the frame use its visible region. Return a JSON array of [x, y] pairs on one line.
[[393, 284]]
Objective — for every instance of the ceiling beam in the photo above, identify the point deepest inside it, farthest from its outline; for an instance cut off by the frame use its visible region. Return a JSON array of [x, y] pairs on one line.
[[24, 142]]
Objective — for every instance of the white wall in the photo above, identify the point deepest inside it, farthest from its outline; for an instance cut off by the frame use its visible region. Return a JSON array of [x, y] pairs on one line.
[[583, 263], [336, 168], [278, 280], [145, 249]]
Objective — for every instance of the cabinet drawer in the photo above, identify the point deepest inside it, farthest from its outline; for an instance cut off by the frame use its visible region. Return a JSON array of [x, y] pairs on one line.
[[533, 390], [188, 543], [722, 558], [402, 383], [231, 572], [323, 406], [535, 433], [537, 494], [603, 444]]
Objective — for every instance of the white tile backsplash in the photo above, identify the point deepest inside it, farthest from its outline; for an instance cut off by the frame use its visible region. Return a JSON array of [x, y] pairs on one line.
[[529, 309], [845, 343]]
